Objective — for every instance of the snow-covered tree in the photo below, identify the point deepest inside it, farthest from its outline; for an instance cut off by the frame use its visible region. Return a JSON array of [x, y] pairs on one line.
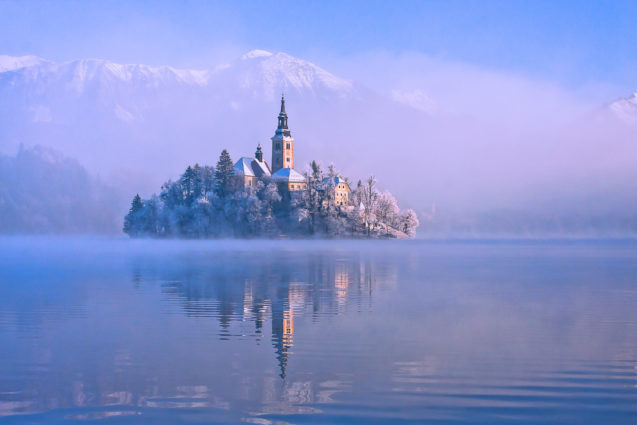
[[223, 174], [387, 211], [197, 206], [369, 199], [313, 197], [409, 222]]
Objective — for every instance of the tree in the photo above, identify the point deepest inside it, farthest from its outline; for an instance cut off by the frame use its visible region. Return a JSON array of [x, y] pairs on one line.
[[204, 203], [313, 180], [387, 211], [130, 220], [223, 174], [409, 222], [187, 183], [356, 197], [369, 198], [329, 212]]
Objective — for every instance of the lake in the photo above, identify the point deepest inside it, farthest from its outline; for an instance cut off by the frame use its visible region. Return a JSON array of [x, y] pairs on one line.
[[114, 331]]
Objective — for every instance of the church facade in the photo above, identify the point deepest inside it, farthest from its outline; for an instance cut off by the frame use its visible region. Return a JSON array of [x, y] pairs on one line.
[[248, 170]]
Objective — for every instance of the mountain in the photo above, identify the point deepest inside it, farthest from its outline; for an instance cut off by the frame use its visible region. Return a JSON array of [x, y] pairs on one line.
[[625, 109], [263, 74], [11, 63], [136, 126], [112, 116], [42, 191]]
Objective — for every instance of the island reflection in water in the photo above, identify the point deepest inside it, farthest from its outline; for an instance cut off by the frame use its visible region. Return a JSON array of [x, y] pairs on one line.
[[345, 332]]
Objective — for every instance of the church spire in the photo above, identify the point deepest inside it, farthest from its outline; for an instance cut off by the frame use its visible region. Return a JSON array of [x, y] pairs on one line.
[[283, 117], [283, 105], [282, 142]]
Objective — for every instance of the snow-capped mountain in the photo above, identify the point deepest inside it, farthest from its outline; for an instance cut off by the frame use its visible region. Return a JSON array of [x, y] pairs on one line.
[[11, 63], [625, 109], [115, 117], [139, 125], [265, 74], [257, 73]]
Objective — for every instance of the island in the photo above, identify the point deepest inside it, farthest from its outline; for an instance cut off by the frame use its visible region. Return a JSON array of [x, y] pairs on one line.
[[250, 199]]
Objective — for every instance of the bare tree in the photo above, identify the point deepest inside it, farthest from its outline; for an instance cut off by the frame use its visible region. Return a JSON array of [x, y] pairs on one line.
[[409, 222], [387, 210], [369, 198]]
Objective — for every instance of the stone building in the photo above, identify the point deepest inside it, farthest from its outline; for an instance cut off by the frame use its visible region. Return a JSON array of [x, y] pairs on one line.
[[248, 171], [341, 189], [282, 143]]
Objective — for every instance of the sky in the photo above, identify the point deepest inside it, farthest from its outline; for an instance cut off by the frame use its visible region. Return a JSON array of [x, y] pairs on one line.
[[576, 44], [513, 92]]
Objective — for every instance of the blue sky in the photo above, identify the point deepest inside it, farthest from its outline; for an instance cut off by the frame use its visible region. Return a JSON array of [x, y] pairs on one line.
[[572, 43]]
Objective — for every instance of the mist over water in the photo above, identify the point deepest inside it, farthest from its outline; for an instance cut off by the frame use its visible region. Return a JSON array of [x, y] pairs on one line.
[[113, 331]]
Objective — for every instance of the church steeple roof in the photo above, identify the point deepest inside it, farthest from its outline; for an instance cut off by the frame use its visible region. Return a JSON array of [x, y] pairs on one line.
[[283, 116]]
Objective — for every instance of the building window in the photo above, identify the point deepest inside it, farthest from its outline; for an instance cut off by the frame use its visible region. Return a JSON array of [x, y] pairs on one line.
[[287, 146], [278, 146], [287, 159]]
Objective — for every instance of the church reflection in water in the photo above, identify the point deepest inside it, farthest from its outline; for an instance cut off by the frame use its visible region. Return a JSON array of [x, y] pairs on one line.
[[249, 289]]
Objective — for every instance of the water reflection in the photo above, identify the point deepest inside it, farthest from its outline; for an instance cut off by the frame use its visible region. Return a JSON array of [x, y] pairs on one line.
[[318, 333], [274, 290]]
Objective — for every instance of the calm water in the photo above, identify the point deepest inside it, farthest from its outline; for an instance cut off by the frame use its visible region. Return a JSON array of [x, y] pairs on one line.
[[118, 331]]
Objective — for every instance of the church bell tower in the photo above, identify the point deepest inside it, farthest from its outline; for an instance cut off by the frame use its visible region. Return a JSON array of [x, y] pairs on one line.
[[282, 143]]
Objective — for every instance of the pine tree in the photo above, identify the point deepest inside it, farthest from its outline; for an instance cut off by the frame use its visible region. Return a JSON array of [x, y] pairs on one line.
[[197, 182], [187, 182], [313, 178], [223, 174], [130, 221]]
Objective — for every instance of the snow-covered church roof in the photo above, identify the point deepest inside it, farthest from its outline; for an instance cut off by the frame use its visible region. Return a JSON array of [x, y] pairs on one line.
[[250, 167], [289, 175]]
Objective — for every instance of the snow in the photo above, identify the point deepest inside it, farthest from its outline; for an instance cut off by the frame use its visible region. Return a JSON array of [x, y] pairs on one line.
[[416, 99], [256, 54], [336, 180], [300, 74], [288, 175], [263, 166], [243, 167], [266, 74], [11, 63], [626, 109], [258, 72], [123, 114]]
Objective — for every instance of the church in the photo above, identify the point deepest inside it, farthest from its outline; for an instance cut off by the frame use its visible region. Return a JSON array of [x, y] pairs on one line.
[[248, 170]]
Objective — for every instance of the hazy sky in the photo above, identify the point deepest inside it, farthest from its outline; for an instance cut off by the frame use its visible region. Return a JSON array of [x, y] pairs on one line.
[[513, 92], [573, 43]]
